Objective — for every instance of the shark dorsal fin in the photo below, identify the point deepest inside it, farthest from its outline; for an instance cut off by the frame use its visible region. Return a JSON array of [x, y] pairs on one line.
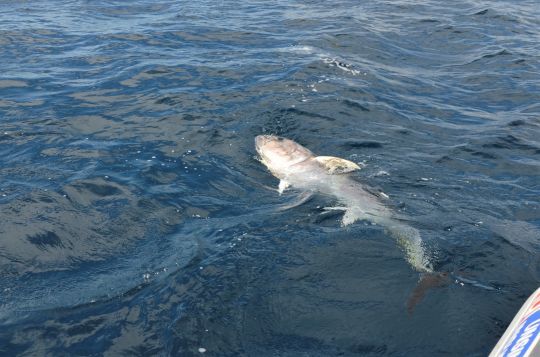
[[336, 165]]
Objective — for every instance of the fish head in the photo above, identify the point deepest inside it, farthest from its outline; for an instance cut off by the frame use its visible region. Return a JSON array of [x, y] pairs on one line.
[[280, 154]]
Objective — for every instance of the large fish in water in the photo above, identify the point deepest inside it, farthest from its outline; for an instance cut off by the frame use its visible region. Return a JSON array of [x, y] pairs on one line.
[[298, 167]]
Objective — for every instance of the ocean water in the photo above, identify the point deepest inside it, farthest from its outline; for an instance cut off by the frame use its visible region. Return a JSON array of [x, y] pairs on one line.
[[135, 219]]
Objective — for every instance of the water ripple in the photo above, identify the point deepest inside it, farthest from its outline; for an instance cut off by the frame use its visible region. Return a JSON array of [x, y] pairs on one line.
[[135, 219]]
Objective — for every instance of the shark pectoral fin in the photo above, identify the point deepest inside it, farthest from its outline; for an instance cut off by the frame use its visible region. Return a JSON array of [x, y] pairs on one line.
[[300, 200], [282, 186], [336, 165], [335, 208], [333, 211]]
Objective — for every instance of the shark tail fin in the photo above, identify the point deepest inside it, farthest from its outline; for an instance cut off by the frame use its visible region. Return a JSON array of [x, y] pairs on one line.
[[426, 282], [410, 241]]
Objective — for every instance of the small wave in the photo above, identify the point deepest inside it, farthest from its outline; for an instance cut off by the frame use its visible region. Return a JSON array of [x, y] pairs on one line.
[[512, 143], [502, 52], [334, 62], [481, 12], [325, 57]]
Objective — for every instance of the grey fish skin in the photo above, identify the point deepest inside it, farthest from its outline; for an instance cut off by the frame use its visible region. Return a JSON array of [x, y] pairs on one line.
[[298, 167]]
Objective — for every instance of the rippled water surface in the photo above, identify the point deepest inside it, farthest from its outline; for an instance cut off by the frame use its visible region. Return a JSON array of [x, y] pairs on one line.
[[135, 219]]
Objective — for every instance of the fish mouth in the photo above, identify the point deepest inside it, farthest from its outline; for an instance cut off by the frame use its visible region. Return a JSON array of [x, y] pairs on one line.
[[263, 144], [285, 151], [260, 140]]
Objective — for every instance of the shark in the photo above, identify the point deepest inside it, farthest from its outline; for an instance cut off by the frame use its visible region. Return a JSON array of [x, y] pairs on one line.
[[297, 167]]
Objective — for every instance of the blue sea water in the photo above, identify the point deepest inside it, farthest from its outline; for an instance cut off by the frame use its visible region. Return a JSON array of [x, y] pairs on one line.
[[136, 221]]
